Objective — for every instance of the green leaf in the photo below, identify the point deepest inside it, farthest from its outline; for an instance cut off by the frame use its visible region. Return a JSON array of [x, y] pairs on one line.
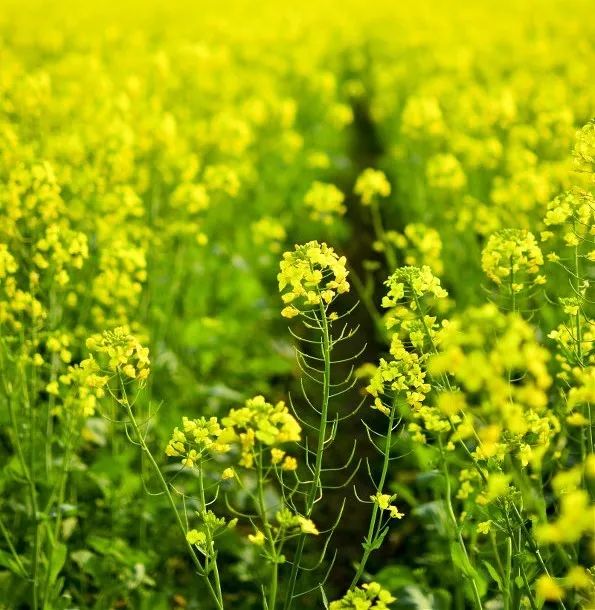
[[462, 562], [81, 557], [413, 598], [58, 557], [7, 560], [324, 598], [494, 574]]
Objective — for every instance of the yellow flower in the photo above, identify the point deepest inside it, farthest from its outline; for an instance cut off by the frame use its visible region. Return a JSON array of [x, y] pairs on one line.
[[512, 254], [257, 539], [289, 464], [498, 485], [444, 171], [277, 455], [313, 273], [577, 419], [290, 312], [196, 537], [325, 202], [122, 352], [370, 184], [548, 589], [578, 578], [129, 370], [382, 500], [228, 473], [484, 527], [307, 526], [52, 388]]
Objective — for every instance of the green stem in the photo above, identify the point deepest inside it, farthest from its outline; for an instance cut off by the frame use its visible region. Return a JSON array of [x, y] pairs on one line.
[[272, 598], [366, 299], [315, 485], [511, 286], [587, 430], [459, 535], [507, 573], [61, 491], [34, 505], [521, 569], [389, 254], [210, 541], [172, 503], [380, 488], [12, 550]]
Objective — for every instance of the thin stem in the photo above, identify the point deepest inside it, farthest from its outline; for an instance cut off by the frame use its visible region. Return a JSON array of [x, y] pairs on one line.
[[272, 598], [209, 540], [511, 286], [389, 254], [61, 487], [507, 573], [141, 440], [366, 299], [587, 430], [11, 548], [315, 484], [26, 468], [375, 508], [459, 535], [520, 566]]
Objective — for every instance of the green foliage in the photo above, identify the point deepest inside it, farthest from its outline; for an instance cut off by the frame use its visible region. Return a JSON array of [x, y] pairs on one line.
[[296, 305]]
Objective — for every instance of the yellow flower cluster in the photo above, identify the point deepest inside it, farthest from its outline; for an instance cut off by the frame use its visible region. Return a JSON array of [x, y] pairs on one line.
[[384, 502], [140, 160], [370, 596], [311, 275], [288, 521], [444, 172], [569, 343], [410, 291], [40, 250], [400, 379], [197, 438], [122, 352], [259, 421], [422, 118], [584, 150], [370, 185], [483, 349], [512, 255], [251, 428], [572, 216], [288, 525], [325, 202], [58, 249], [270, 233], [421, 246], [211, 527], [87, 382], [410, 284], [576, 514]]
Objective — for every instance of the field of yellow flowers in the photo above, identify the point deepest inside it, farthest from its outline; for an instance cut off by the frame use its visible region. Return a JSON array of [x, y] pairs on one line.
[[296, 305]]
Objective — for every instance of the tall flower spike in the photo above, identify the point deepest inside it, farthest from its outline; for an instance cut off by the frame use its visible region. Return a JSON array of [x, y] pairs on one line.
[[312, 274], [513, 255]]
